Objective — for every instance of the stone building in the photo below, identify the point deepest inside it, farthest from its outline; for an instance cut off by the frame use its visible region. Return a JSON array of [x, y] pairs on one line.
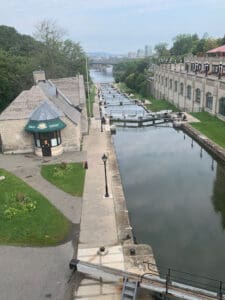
[[47, 119], [196, 85]]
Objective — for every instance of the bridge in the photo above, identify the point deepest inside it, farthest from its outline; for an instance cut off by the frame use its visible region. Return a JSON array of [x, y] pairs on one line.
[[174, 283], [105, 61]]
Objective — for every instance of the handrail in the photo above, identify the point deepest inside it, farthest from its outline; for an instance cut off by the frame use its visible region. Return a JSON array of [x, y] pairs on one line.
[[151, 281]]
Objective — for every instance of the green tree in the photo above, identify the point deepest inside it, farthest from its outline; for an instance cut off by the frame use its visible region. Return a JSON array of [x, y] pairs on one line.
[[161, 49], [184, 44]]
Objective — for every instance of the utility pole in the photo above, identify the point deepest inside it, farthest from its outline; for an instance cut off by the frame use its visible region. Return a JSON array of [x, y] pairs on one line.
[[88, 89]]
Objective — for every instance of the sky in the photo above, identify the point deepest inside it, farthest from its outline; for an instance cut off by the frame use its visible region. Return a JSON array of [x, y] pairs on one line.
[[118, 26]]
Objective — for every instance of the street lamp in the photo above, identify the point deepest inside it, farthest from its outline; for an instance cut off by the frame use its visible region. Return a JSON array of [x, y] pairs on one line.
[[104, 158]]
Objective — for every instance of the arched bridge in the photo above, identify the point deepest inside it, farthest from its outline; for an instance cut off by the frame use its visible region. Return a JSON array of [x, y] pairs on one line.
[[105, 61]]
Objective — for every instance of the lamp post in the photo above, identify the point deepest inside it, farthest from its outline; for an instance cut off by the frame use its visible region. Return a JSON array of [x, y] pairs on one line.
[[104, 158]]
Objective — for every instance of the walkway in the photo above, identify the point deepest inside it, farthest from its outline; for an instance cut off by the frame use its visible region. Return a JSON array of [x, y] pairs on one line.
[[32, 272], [98, 212], [98, 221]]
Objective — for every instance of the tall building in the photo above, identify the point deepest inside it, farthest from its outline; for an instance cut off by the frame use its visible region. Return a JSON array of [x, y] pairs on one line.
[[148, 50], [140, 53]]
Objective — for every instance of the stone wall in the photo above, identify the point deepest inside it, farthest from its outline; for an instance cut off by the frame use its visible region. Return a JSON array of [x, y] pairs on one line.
[[71, 136], [208, 144], [164, 88], [14, 138]]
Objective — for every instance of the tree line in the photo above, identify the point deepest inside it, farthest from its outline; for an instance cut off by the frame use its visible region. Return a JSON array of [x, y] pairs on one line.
[[135, 73], [21, 54]]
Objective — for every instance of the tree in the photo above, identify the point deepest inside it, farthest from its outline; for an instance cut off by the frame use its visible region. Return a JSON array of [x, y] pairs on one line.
[[184, 44], [161, 49], [50, 34]]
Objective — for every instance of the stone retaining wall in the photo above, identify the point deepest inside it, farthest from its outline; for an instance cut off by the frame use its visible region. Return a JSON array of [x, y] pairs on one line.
[[143, 253], [210, 146]]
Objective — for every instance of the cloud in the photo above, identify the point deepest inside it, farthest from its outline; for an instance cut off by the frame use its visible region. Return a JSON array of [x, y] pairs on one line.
[[119, 25]]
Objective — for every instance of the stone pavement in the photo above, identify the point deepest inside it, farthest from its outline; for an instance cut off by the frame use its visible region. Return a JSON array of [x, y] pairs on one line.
[[98, 222], [32, 273]]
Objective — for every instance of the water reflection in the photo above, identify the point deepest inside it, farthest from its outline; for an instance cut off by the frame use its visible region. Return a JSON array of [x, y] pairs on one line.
[[170, 186], [218, 196], [103, 77]]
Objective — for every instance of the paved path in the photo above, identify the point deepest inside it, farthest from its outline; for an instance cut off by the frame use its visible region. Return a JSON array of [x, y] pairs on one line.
[[27, 167], [35, 273], [98, 223], [39, 273]]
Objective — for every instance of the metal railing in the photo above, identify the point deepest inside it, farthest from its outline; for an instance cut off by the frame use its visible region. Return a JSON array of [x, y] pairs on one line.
[[172, 276]]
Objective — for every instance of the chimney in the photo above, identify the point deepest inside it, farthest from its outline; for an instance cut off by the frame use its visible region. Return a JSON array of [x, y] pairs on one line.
[[39, 76]]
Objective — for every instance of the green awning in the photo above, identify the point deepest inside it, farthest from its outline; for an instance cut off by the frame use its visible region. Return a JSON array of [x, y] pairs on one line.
[[45, 126]]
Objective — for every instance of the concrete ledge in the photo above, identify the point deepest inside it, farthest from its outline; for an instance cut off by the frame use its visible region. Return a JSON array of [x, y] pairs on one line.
[[208, 144]]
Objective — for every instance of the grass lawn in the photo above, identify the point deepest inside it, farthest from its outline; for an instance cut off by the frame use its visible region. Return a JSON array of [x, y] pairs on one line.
[[160, 104], [67, 176], [156, 104], [26, 217], [210, 126]]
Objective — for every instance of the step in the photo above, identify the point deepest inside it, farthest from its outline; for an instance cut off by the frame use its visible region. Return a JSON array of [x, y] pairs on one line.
[[129, 293], [131, 284]]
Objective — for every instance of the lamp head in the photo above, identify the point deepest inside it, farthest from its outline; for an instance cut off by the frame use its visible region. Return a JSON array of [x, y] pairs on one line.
[[104, 158]]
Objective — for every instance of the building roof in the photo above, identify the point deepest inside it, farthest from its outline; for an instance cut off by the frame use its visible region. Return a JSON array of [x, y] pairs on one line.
[[45, 126], [24, 104], [72, 88], [45, 111], [220, 49], [62, 103], [45, 101]]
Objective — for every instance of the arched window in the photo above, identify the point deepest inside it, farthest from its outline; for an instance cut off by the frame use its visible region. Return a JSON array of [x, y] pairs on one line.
[[171, 83], [175, 86], [198, 95], [222, 106], [181, 88], [189, 92], [209, 100]]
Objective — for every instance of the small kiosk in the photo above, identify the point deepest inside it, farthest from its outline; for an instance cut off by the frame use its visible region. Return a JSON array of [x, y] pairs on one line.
[[45, 125]]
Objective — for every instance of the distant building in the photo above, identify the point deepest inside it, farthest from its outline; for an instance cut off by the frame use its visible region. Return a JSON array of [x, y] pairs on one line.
[[148, 50], [198, 84], [217, 52], [140, 53], [47, 119], [132, 55]]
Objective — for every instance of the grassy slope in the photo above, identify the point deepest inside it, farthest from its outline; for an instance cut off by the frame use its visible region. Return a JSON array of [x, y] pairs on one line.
[[154, 105], [43, 226], [71, 181], [210, 126]]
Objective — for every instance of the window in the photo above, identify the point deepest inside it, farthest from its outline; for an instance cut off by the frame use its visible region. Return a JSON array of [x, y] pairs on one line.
[[159, 79], [181, 88], [209, 100], [166, 82], [175, 86], [222, 106], [171, 83], [54, 138], [197, 95], [162, 80], [189, 92]]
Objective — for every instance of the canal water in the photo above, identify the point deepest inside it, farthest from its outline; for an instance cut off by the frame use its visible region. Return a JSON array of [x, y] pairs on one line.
[[175, 193]]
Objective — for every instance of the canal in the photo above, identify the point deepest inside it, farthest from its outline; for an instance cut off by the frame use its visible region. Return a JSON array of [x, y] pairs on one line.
[[175, 193]]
